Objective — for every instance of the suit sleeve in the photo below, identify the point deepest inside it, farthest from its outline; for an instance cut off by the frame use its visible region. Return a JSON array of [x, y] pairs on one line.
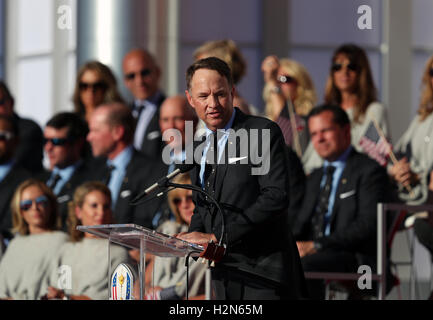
[[273, 199], [371, 190]]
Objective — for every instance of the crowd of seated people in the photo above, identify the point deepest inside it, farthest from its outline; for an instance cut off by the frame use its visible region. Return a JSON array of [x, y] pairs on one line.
[[106, 151]]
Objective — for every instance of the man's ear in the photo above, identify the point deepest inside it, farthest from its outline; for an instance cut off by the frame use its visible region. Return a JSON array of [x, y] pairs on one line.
[[188, 96], [118, 132]]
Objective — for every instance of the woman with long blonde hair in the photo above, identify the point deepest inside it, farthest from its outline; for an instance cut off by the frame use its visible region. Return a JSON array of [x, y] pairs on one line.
[[289, 95], [29, 260], [414, 150]]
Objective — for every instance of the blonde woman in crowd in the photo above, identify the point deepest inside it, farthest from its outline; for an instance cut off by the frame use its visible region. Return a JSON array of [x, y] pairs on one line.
[[289, 90], [85, 253], [414, 150], [28, 260], [95, 84]]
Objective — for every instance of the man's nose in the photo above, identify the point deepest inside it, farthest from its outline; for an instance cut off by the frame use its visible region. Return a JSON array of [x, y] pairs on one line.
[[213, 101]]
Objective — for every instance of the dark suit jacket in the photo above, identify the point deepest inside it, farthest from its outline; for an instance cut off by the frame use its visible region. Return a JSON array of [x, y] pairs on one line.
[[29, 152], [86, 171], [141, 173], [152, 144], [258, 240], [7, 189], [353, 221], [297, 182]]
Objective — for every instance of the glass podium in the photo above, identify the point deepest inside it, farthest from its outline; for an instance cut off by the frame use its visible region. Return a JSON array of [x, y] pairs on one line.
[[146, 241]]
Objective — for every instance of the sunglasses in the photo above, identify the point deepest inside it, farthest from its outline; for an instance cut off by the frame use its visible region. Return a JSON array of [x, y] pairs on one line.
[[430, 72], [177, 201], [41, 201], [143, 73], [95, 86], [56, 141], [6, 135], [286, 79], [3, 101], [338, 66]]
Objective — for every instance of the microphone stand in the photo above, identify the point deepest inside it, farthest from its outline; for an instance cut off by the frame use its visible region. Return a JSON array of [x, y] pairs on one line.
[[166, 183]]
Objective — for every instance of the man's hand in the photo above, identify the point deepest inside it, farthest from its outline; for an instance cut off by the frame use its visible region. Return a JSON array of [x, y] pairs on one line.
[[270, 67], [305, 248], [196, 237]]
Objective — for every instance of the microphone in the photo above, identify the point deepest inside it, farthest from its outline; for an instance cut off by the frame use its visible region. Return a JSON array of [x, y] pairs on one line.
[[181, 168]]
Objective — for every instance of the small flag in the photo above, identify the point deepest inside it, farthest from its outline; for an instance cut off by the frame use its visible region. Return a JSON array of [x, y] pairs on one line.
[[375, 145], [114, 287]]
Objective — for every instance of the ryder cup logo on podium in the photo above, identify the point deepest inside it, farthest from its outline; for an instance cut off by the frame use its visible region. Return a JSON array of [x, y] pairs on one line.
[[122, 282]]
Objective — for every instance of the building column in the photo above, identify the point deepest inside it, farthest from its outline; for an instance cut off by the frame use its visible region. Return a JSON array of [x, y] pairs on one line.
[[108, 29]]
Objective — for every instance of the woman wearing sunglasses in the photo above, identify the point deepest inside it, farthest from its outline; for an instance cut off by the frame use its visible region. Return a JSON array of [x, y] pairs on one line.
[[169, 278], [29, 257], [350, 85], [288, 91], [414, 150], [86, 254], [95, 84]]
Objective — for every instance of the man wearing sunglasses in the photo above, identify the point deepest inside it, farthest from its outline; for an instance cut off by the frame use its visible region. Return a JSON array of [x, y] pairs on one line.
[[65, 147], [29, 151], [141, 78], [11, 173]]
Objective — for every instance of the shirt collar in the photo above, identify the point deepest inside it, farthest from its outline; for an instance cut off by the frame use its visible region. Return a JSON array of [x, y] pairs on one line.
[[5, 168], [341, 161], [67, 171], [122, 159]]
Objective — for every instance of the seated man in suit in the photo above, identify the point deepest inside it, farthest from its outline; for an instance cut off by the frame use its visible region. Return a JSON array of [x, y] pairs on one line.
[[176, 117], [127, 172], [65, 146], [261, 260], [31, 138], [141, 78], [336, 227], [11, 173]]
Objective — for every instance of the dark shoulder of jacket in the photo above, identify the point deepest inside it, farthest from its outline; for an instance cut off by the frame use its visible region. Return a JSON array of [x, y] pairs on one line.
[[27, 125]]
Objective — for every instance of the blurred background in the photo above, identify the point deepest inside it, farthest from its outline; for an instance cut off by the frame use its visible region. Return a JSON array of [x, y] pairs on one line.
[[43, 43]]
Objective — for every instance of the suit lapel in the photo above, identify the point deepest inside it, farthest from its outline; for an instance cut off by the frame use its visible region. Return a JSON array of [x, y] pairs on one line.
[[229, 152], [343, 184]]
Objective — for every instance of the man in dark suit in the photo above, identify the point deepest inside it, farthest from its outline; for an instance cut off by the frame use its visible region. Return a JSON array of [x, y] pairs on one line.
[[127, 172], [336, 227], [261, 260], [11, 173], [29, 151], [141, 77], [65, 146]]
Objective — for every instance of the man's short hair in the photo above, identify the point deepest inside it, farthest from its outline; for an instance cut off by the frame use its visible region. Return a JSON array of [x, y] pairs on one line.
[[121, 115], [211, 63], [77, 127], [4, 88], [340, 116]]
